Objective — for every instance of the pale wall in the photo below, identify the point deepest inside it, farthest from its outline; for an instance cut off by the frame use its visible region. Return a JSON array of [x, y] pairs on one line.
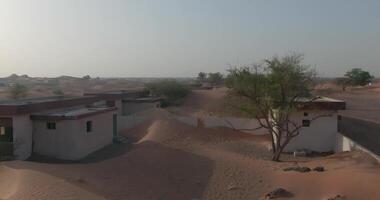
[[344, 143], [22, 136], [131, 107], [70, 141], [320, 136]]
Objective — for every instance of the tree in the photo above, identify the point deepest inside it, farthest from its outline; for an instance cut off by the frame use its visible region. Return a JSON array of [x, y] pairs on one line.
[[358, 76], [17, 91], [215, 78], [202, 77], [273, 90], [172, 91]]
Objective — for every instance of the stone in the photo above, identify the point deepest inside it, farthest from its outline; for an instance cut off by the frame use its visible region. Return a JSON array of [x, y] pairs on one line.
[[337, 197], [319, 169], [297, 169], [278, 193]]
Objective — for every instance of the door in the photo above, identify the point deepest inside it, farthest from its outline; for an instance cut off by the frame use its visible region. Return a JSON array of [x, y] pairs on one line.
[[6, 130], [114, 121], [6, 137]]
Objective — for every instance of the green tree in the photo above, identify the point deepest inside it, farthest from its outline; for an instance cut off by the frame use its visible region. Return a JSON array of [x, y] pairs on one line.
[[172, 91], [215, 78], [17, 91], [358, 76], [202, 77], [273, 90]]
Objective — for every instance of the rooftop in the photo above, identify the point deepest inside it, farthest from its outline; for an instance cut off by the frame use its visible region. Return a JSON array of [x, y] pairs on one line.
[[321, 103], [33, 105], [70, 114]]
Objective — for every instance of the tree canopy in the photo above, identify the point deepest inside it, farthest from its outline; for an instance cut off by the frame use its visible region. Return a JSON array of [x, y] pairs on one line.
[[273, 89], [358, 76]]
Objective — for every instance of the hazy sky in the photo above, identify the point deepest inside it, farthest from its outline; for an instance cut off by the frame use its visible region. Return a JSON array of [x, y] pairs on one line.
[[129, 38]]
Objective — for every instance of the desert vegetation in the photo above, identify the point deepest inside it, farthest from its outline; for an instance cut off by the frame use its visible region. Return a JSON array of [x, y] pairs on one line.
[[171, 90]]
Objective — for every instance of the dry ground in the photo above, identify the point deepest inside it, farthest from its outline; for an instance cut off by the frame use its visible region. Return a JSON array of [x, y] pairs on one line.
[[172, 160]]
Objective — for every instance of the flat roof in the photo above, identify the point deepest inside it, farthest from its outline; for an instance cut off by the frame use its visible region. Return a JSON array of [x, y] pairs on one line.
[[118, 94], [321, 103], [143, 100], [29, 101], [71, 114]]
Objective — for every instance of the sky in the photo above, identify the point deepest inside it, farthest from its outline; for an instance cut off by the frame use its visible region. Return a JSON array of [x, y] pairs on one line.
[[179, 38]]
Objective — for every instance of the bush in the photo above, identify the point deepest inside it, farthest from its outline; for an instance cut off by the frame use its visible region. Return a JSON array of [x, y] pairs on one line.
[[172, 91]]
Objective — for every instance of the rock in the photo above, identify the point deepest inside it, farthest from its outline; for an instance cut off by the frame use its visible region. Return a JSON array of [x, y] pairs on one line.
[[278, 193], [319, 169], [297, 169], [232, 187], [337, 197]]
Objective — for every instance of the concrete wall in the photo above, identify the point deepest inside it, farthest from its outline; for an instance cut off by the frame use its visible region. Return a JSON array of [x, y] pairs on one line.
[[130, 121], [22, 136], [320, 136], [358, 134], [70, 140], [131, 107], [346, 144]]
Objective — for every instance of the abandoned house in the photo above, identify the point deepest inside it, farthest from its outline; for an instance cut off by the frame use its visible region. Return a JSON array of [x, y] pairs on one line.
[[67, 128], [319, 119]]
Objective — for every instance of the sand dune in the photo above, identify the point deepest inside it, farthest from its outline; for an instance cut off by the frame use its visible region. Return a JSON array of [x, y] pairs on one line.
[[172, 160]]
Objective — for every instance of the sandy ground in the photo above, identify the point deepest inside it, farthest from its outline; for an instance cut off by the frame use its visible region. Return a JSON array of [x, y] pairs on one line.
[[171, 160]]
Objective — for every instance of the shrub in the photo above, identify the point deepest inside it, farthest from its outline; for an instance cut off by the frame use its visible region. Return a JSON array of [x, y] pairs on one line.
[[172, 91]]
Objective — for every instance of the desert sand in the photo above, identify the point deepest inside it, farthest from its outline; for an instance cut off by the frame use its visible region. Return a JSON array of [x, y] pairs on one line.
[[171, 160]]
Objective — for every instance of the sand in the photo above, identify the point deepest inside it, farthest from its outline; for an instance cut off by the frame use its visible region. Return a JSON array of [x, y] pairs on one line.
[[171, 160]]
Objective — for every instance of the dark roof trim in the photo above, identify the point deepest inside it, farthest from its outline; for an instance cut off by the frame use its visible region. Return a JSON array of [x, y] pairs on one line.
[[48, 117], [142, 100], [118, 95], [322, 105], [48, 105]]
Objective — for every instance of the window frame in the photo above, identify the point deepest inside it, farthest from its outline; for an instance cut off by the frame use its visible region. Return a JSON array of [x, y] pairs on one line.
[[89, 126], [51, 126]]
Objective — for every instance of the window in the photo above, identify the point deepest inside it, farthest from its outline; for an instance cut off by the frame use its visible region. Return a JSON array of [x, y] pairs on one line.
[[89, 126], [51, 126], [306, 123], [305, 114], [2, 131]]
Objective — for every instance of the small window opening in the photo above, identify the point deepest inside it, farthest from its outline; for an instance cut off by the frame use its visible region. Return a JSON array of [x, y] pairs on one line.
[[89, 126], [51, 126], [306, 123], [2, 130]]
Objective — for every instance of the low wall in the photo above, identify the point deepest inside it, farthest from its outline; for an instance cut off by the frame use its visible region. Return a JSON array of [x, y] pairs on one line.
[[358, 134], [242, 124]]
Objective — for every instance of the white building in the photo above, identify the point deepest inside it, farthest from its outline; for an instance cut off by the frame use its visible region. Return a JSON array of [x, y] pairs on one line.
[[67, 128], [317, 135]]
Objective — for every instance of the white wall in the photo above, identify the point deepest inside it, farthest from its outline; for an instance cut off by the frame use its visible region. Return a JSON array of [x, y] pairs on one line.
[[346, 144], [22, 136], [70, 141], [320, 136], [131, 107]]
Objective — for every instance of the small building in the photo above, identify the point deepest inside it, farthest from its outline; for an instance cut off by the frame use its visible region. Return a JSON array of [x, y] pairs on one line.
[[60, 127], [318, 118], [128, 103], [68, 128], [72, 134]]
